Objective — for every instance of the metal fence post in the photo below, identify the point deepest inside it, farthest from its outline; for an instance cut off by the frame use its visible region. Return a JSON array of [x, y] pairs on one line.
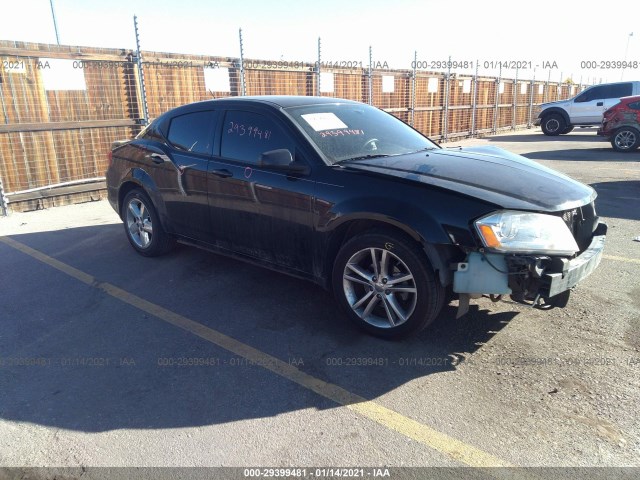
[[515, 101], [243, 85], [319, 92], [447, 92], [413, 88], [3, 201], [497, 108], [531, 93], [546, 88], [474, 101], [370, 76], [143, 90]]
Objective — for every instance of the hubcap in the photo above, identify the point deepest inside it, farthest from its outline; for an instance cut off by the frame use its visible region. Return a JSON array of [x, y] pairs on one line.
[[553, 125], [379, 287], [625, 140], [139, 223]]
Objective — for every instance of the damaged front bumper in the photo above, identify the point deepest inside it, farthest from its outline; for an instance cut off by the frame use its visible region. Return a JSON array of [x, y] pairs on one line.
[[539, 279], [575, 270]]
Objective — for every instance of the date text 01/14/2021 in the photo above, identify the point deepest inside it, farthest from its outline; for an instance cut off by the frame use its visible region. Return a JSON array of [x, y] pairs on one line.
[[323, 472]]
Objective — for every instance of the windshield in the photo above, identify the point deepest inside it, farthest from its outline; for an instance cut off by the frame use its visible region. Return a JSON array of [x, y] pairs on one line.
[[357, 131]]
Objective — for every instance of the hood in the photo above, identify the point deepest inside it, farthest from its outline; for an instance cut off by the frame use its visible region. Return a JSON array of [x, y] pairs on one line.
[[487, 173], [556, 102]]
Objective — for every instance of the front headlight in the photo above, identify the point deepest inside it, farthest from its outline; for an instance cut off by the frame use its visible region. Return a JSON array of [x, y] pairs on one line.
[[519, 232]]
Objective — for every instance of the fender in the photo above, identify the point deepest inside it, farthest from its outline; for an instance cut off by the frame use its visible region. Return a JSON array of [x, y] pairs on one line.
[[417, 223], [626, 124], [560, 111], [141, 178]]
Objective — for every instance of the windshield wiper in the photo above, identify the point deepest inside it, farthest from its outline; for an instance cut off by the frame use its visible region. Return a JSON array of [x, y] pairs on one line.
[[364, 157], [426, 149]]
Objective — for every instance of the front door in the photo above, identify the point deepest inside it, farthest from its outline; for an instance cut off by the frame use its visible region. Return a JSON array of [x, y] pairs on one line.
[[254, 211]]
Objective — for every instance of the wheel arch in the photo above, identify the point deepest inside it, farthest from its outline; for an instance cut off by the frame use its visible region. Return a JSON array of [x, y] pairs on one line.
[[633, 127], [138, 178], [438, 254], [557, 110]]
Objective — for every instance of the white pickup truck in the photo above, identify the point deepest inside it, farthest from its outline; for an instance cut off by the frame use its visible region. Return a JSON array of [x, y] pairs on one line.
[[585, 109]]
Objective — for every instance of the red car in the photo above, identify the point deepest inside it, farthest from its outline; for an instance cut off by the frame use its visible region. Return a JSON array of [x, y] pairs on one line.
[[621, 124]]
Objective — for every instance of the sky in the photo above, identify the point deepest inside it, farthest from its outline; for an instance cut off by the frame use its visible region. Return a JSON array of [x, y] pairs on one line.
[[535, 33]]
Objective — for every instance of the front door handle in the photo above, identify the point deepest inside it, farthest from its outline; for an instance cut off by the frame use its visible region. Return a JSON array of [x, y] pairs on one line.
[[223, 173], [599, 104]]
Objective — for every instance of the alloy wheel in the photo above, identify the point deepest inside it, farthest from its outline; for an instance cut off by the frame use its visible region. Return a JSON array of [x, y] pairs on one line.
[[139, 224], [625, 139], [379, 287]]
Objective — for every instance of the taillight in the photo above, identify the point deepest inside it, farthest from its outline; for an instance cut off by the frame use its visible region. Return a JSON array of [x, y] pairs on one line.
[[109, 158]]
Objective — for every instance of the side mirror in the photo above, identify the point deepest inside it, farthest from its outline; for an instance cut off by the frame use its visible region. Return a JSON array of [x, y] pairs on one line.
[[276, 158], [282, 160]]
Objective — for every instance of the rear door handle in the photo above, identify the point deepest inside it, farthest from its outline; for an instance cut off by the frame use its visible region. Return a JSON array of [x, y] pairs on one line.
[[223, 173], [599, 104], [158, 158]]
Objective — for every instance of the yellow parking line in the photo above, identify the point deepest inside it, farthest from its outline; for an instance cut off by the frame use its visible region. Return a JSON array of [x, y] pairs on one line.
[[386, 417], [621, 259]]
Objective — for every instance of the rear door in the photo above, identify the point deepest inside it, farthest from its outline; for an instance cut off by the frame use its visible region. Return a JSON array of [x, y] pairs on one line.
[[255, 211], [635, 108], [181, 172]]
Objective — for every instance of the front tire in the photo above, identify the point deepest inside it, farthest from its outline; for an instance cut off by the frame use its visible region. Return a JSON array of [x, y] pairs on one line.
[[626, 139], [567, 130], [553, 125], [385, 284], [142, 225]]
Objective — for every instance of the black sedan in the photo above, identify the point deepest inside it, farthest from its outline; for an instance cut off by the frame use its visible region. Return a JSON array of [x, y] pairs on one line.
[[348, 196]]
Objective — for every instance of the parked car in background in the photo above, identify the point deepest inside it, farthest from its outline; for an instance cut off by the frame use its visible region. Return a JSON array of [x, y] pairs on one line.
[[621, 124], [350, 197], [585, 109]]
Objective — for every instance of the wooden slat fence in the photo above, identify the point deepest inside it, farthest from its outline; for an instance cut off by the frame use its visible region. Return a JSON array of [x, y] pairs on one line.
[[61, 107]]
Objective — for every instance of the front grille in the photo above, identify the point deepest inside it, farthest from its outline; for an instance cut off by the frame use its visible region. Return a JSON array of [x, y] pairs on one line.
[[582, 221], [568, 217]]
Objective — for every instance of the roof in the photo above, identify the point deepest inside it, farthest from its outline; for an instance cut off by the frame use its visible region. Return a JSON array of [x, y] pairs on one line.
[[285, 101], [271, 101]]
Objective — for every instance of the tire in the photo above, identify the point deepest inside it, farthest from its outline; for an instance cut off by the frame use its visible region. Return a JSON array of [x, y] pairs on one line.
[[568, 130], [626, 139], [374, 305], [553, 125], [142, 225]]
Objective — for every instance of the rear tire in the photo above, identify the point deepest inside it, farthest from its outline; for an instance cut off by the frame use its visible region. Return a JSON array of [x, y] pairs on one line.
[[142, 225], [553, 125], [626, 139], [396, 295]]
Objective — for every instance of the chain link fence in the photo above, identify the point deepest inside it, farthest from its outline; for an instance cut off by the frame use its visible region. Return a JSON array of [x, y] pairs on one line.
[[62, 106]]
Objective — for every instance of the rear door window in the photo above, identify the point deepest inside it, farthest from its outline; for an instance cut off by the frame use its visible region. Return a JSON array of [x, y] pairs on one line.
[[619, 90], [151, 132], [193, 132]]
